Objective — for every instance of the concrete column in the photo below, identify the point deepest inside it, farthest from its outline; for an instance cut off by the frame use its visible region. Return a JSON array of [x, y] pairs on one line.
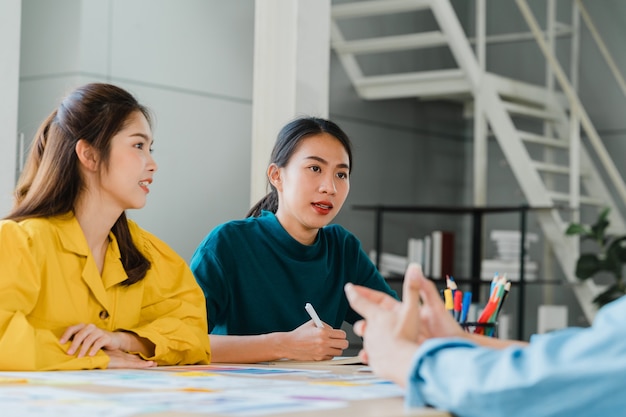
[[291, 71]]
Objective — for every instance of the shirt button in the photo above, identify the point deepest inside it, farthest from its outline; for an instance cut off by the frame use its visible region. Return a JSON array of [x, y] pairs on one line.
[[104, 315]]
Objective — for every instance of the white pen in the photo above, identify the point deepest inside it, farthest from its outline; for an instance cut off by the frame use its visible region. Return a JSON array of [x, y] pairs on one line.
[[316, 319]]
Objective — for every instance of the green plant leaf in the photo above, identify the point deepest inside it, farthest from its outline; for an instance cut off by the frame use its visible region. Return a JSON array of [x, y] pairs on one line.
[[598, 229], [587, 265], [620, 244], [615, 256], [612, 293], [577, 229]]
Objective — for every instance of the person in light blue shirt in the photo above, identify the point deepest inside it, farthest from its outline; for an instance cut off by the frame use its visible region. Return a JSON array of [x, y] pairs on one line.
[[259, 272], [416, 343]]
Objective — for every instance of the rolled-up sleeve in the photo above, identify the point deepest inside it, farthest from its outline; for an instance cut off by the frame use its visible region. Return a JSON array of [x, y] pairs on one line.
[[572, 372], [173, 314]]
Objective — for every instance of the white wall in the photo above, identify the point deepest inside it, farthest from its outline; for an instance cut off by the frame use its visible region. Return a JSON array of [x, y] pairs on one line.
[[190, 62], [10, 19]]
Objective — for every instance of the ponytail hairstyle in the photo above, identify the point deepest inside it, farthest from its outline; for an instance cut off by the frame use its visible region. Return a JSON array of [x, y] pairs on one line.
[[289, 137], [51, 182]]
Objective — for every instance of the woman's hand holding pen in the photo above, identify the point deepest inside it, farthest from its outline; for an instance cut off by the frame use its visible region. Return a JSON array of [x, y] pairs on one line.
[[309, 342]]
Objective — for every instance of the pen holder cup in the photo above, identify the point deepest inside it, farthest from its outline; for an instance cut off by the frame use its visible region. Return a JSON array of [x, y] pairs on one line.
[[486, 329]]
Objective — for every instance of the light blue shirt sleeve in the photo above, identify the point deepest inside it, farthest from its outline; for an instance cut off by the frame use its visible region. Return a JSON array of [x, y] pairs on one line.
[[568, 373]]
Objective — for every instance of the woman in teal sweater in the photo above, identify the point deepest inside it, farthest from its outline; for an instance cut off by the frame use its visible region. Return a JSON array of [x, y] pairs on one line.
[[258, 273]]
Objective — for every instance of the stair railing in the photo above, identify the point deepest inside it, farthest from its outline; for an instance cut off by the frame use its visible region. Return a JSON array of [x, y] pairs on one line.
[[576, 107], [601, 46]]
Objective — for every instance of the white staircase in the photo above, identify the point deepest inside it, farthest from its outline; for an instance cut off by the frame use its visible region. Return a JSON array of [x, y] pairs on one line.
[[536, 127]]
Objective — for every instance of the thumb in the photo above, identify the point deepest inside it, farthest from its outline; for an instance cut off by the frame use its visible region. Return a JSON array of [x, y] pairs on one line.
[[429, 294], [358, 302], [409, 323], [411, 285]]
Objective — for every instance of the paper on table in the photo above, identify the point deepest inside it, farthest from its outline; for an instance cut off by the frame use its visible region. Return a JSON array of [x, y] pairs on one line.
[[337, 360]]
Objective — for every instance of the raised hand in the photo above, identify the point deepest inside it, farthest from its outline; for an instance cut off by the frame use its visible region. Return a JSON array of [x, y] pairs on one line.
[[390, 329]]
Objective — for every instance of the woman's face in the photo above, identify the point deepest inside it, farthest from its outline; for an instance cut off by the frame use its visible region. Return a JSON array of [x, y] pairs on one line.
[[125, 181], [312, 187]]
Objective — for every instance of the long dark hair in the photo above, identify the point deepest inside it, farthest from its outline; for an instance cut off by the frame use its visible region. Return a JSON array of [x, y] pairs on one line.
[[286, 144], [51, 182]]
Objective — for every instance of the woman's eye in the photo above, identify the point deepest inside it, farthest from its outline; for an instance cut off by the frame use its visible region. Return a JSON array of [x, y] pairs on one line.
[[315, 168], [343, 175], [139, 145]]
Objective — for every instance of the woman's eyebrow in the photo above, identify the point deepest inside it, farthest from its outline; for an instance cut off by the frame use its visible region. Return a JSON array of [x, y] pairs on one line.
[[144, 136], [325, 162]]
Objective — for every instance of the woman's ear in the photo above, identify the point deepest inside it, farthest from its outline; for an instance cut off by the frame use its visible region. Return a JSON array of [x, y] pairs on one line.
[[86, 155], [274, 176]]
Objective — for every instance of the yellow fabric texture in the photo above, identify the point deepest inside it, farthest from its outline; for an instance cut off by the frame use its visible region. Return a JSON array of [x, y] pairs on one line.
[[49, 281]]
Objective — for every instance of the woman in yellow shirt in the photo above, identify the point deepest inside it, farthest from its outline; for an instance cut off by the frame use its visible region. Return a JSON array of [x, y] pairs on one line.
[[81, 286]]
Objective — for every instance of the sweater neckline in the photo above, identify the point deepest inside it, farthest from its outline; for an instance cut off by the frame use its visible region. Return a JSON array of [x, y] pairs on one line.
[[281, 238]]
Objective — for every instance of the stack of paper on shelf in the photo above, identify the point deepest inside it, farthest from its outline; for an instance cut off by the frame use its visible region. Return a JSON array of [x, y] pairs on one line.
[[507, 258], [489, 267], [390, 264]]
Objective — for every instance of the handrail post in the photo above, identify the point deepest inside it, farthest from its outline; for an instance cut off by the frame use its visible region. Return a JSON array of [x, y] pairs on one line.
[[480, 123], [477, 245], [522, 282], [378, 235], [574, 125]]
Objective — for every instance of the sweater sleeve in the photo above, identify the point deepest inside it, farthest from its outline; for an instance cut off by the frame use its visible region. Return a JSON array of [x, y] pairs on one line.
[[564, 373], [207, 268], [173, 314], [24, 346]]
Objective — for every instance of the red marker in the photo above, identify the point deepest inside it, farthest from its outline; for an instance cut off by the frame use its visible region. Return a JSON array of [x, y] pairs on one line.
[[458, 304]]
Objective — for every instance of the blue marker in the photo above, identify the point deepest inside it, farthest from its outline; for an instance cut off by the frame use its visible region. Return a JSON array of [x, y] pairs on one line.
[[467, 301]]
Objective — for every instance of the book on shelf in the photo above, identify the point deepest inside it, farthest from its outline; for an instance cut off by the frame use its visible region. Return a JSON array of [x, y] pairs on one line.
[[415, 251], [428, 247], [434, 251], [442, 254]]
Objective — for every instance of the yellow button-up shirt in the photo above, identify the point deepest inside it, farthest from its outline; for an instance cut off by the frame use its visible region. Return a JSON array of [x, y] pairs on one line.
[[49, 281]]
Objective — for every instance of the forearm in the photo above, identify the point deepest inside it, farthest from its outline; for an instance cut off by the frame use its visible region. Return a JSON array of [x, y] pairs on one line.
[[493, 342], [247, 349], [132, 343], [27, 348]]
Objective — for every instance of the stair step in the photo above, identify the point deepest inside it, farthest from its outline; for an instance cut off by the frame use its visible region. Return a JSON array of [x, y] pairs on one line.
[[378, 7], [542, 140], [451, 82], [534, 112], [391, 43], [584, 199], [552, 168]]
